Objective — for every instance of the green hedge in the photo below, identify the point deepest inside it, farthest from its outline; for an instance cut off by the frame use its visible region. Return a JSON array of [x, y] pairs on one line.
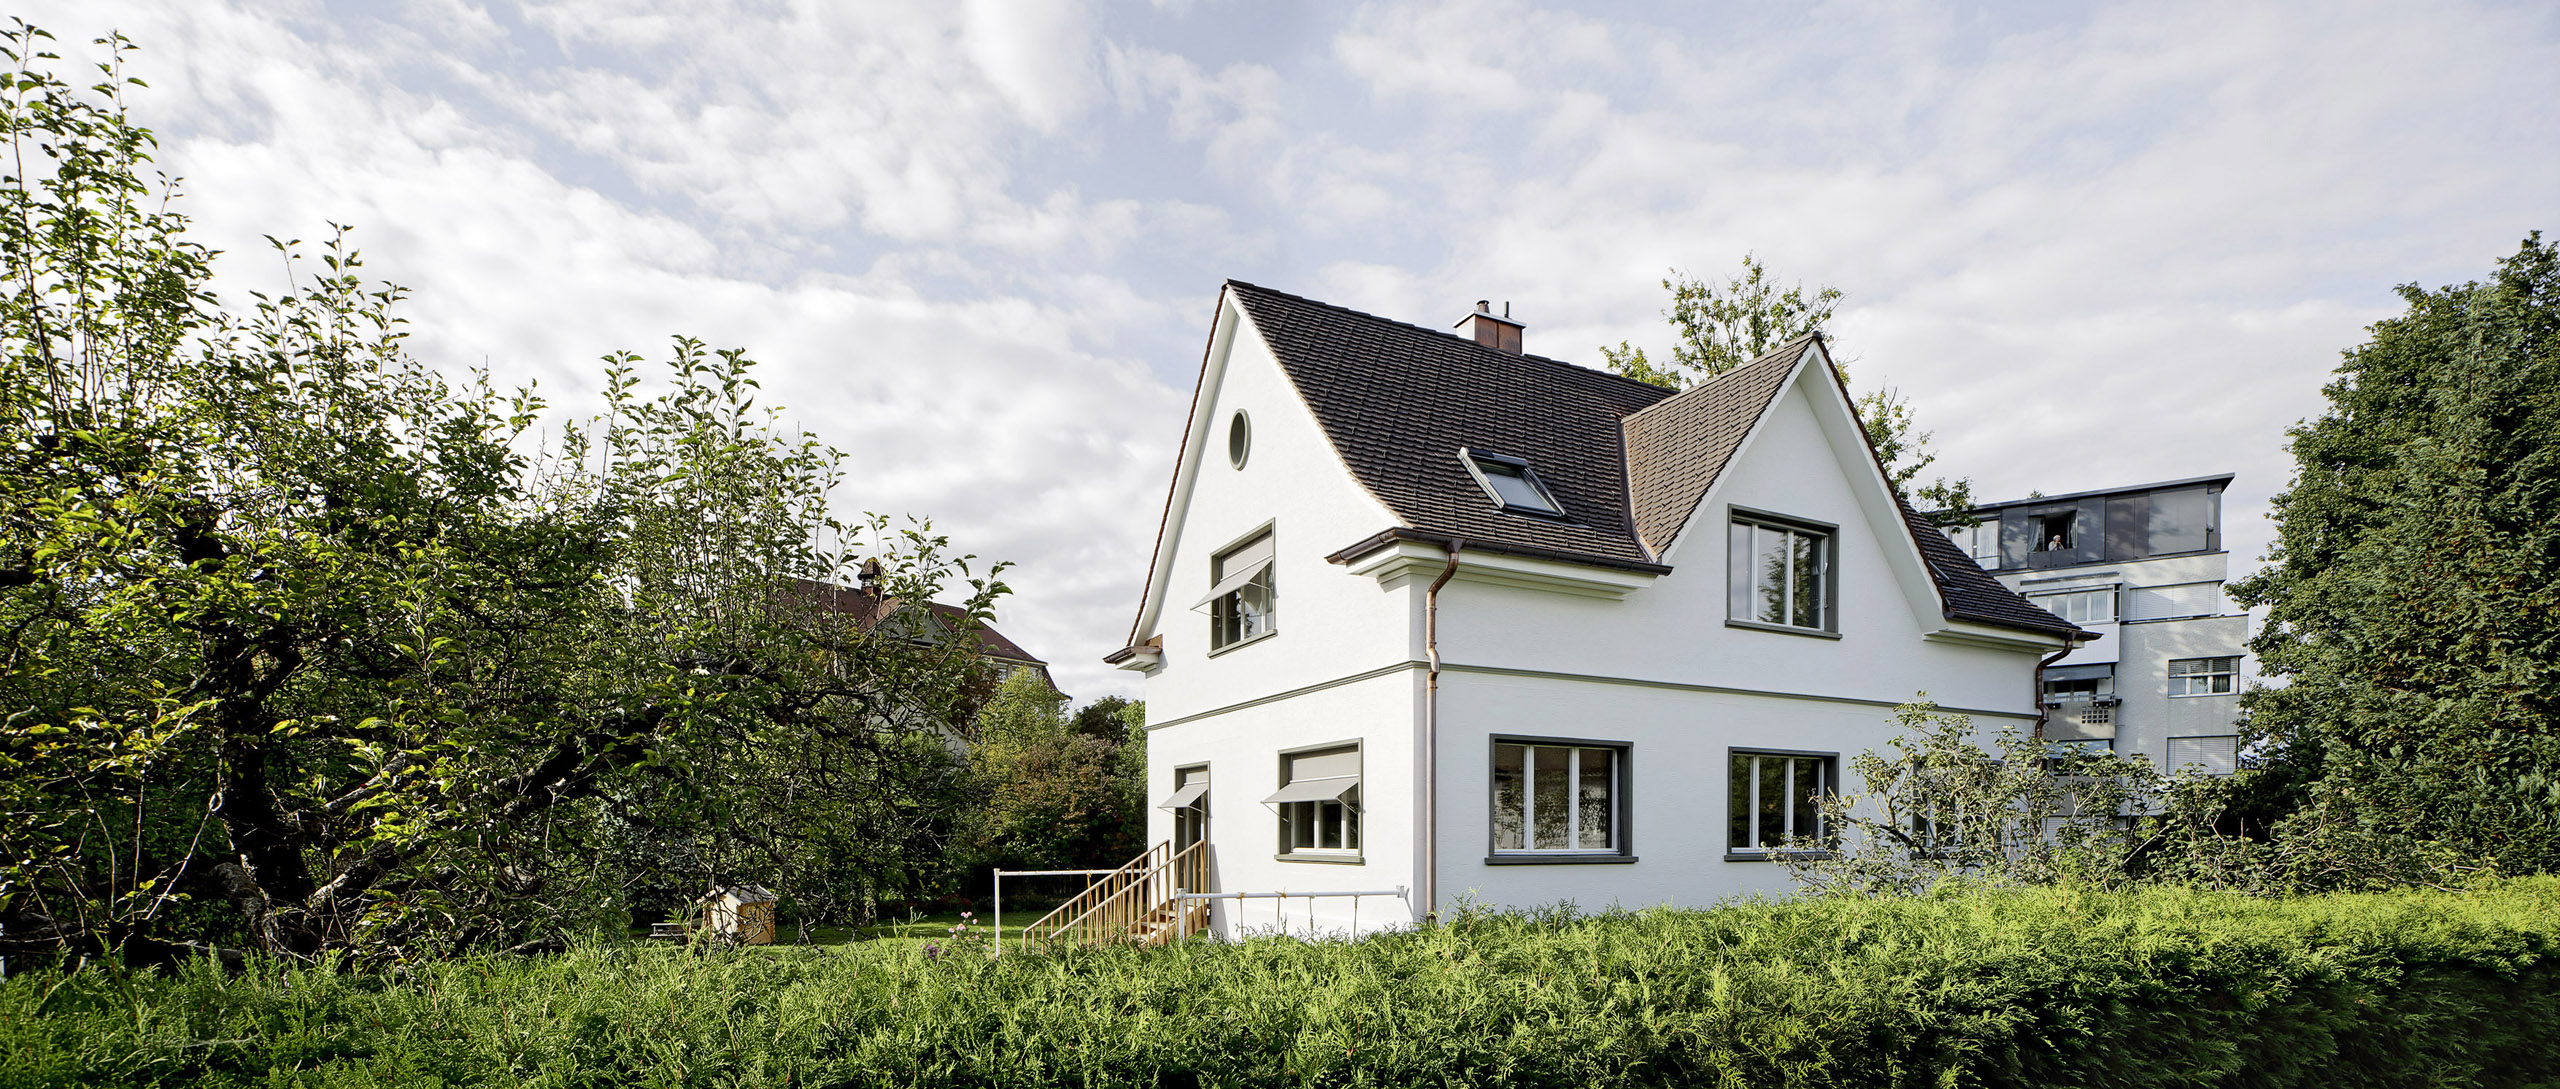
[[2161, 987]]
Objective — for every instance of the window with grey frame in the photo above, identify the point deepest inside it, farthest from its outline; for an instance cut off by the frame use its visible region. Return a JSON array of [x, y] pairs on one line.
[[1775, 801], [1242, 599], [1319, 802], [1189, 804], [1558, 798], [1781, 574]]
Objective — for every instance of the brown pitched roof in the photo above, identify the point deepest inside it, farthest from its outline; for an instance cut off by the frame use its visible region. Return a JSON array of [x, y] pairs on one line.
[[1628, 462], [1678, 447], [867, 609], [1969, 591]]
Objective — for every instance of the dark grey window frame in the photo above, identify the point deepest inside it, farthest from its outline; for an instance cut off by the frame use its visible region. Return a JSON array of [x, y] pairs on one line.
[[1830, 569], [1201, 806], [1352, 812], [1622, 803], [1271, 626], [1753, 853], [1471, 457], [1239, 439]]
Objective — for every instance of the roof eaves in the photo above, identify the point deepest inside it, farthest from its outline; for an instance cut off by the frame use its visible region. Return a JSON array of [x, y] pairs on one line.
[[2184, 482], [1381, 539]]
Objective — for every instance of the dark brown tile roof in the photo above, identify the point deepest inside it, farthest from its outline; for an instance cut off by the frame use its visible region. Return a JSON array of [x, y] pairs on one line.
[[1969, 591], [1677, 448], [1398, 401], [1628, 462]]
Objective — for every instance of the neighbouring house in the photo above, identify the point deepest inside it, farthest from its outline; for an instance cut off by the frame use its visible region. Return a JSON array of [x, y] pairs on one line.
[[1429, 613], [868, 605], [2142, 566]]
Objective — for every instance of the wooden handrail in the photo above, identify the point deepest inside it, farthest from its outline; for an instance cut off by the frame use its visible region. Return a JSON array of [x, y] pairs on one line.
[[1116, 908], [1065, 914]]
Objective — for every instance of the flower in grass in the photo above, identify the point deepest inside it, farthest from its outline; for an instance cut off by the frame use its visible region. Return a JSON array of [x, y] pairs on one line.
[[931, 951]]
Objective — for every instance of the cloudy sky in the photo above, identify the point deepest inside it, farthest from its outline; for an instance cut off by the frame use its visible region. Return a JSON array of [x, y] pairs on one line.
[[976, 245]]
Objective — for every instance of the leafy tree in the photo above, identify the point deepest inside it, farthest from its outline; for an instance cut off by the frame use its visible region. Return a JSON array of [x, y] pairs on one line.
[[1719, 327], [305, 648], [1938, 807], [2413, 592], [1723, 326], [1060, 790]]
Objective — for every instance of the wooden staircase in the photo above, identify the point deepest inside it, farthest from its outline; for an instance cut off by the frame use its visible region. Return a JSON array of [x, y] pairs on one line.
[[1132, 905]]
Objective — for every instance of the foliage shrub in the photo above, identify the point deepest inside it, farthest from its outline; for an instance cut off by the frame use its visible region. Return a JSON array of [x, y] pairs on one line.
[[2047, 986]]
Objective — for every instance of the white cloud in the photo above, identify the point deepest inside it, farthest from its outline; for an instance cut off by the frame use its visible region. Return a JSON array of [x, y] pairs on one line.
[[975, 242]]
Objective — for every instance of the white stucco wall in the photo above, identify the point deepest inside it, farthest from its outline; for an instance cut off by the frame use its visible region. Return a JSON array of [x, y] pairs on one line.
[[1242, 749], [1328, 626]]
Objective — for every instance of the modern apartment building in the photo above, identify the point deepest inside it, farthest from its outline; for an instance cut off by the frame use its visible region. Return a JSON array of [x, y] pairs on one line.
[[2142, 566]]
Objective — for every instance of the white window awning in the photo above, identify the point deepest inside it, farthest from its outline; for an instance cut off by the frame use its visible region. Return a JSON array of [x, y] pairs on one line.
[[1184, 795], [1315, 790], [1233, 583]]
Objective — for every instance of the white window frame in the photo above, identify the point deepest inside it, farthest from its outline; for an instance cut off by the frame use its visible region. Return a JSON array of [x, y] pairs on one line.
[[2210, 673], [1750, 849], [2066, 603], [1343, 815], [1742, 560], [1620, 844]]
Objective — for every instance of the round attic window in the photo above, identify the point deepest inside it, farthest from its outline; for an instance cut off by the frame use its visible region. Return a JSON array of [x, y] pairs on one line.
[[1239, 440]]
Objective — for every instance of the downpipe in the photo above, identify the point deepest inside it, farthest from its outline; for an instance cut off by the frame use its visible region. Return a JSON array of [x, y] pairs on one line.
[[2044, 713], [1431, 735]]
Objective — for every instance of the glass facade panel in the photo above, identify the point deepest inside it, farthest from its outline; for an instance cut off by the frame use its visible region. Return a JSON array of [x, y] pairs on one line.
[[1592, 821], [1769, 579], [1553, 792], [1773, 802], [1739, 779], [1805, 595], [1510, 797], [1806, 820], [1739, 575]]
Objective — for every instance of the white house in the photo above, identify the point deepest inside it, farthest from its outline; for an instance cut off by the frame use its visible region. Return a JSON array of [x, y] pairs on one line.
[[1427, 612]]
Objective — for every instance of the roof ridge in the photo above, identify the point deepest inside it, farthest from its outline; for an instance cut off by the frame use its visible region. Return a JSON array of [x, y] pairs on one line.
[[1566, 364], [1715, 379]]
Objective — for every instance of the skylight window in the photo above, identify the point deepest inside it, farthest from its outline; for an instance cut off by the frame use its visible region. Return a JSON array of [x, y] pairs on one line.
[[1512, 484]]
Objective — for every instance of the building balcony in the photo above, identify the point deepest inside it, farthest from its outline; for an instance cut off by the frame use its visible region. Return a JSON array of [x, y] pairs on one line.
[[2081, 720]]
